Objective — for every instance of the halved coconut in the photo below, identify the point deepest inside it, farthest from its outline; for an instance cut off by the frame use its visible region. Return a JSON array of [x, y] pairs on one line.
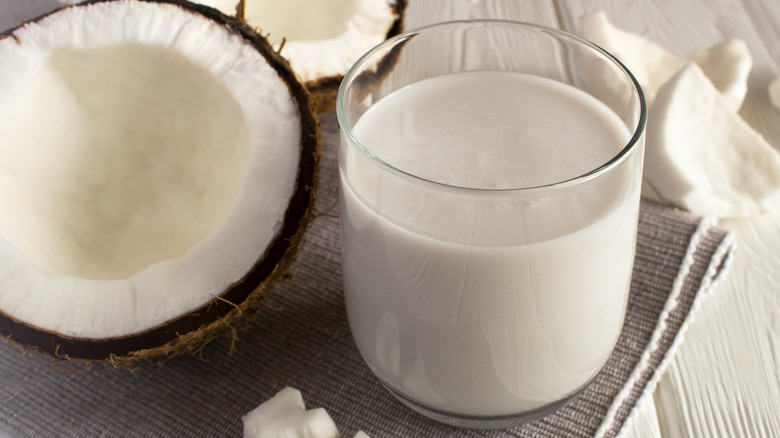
[[158, 173], [321, 39]]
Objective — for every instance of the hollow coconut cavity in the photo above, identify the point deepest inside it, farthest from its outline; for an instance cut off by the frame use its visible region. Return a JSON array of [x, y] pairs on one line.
[[321, 39], [159, 167]]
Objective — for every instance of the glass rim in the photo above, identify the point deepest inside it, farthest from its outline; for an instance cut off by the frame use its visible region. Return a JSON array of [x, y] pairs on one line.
[[604, 168]]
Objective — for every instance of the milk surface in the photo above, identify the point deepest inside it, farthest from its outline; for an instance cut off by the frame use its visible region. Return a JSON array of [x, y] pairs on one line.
[[450, 302]]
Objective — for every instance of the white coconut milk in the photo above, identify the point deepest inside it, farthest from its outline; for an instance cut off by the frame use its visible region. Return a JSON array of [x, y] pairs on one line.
[[453, 301]]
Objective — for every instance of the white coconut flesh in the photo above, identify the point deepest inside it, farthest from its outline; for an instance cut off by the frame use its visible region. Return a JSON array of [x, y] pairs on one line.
[[149, 156], [322, 38], [112, 163]]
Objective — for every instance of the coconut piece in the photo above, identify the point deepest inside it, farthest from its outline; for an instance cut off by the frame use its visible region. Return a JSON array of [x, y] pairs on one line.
[[321, 39], [285, 416], [774, 92], [361, 434], [727, 64], [700, 155], [160, 163]]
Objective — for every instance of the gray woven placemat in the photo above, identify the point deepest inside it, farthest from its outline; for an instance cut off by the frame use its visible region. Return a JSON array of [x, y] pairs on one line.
[[304, 342]]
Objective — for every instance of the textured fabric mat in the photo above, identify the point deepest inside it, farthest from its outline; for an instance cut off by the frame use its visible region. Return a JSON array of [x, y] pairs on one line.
[[302, 340]]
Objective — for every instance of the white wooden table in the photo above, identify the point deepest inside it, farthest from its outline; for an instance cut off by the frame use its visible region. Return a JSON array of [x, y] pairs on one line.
[[724, 380]]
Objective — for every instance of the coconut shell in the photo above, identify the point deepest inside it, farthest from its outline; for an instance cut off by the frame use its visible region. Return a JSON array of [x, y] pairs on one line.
[[325, 89], [191, 331]]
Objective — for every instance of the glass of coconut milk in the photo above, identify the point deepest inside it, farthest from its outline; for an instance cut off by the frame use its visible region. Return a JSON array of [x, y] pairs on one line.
[[490, 180]]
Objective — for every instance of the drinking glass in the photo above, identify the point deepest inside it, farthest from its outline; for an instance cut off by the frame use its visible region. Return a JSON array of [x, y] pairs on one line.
[[477, 296]]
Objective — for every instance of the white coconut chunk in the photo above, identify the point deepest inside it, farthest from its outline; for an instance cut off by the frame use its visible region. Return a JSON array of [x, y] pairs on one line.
[[700, 155], [133, 186], [774, 92], [285, 416], [727, 64], [361, 434], [322, 38]]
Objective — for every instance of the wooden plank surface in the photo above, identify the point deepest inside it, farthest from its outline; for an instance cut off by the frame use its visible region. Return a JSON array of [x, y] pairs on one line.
[[422, 12]]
